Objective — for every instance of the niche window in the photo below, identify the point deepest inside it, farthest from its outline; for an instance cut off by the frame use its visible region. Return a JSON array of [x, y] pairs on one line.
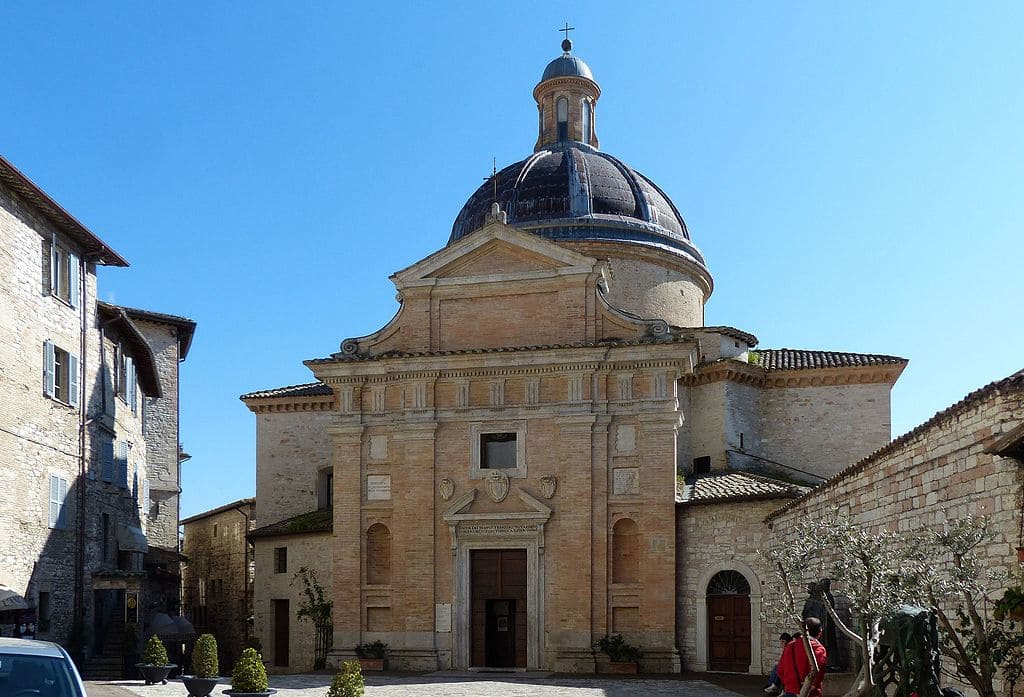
[[498, 447], [702, 465], [585, 108], [562, 112], [325, 488], [280, 560]]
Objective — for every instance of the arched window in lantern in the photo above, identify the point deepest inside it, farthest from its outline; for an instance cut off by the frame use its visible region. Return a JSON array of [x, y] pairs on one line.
[[562, 114]]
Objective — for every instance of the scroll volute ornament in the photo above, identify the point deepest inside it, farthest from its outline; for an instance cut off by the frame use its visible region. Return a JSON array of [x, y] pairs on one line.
[[447, 488], [548, 485]]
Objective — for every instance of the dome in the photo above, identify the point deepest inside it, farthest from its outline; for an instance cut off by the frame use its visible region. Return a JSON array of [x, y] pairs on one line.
[[573, 192], [567, 65]]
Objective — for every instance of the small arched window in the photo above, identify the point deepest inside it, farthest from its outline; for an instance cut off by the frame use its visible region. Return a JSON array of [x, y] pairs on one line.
[[540, 124], [562, 112], [625, 551], [585, 109], [378, 555]]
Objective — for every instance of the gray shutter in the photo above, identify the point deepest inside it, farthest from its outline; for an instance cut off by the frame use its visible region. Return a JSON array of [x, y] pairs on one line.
[[132, 380], [145, 497], [135, 483], [108, 461], [73, 381], [54, 266], [54, 500], [62, 495], [48, 361], [122, 464], [73, 279]]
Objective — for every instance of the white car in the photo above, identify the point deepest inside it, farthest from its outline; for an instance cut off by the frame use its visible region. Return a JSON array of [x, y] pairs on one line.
[[37, 669]]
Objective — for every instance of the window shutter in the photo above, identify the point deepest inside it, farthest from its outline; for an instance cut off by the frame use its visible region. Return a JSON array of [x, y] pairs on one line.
[[62, 494], [108, 388], [108, 462], [145, 497], [54, 500], [54, 265], [122, 464], [132, 384], [135, 483], [48, 361], [73, 380], [73, 279]]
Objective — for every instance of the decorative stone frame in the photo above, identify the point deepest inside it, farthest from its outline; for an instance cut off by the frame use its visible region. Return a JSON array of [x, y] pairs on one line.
[[518, 530], [701, 641], [480, 428]]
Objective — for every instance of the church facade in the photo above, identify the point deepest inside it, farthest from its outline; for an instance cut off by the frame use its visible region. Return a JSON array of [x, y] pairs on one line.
[[546, 444]]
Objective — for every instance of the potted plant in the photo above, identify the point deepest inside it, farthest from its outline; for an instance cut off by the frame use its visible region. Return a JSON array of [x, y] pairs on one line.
[[249, 676], [205, 668], [155, 666], [348, 682], [623, 657], [1011, 605], [372, 655]]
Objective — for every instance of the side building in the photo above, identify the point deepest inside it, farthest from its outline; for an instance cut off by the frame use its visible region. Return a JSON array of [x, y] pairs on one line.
[[89, 442], [217, 577]]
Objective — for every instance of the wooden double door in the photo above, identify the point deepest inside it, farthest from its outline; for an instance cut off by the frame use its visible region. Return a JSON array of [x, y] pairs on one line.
[[498, 597], [729, 633]]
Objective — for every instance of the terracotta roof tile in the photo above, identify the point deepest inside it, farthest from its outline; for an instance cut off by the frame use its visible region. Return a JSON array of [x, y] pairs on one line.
[[797, 359], [321, 520], [733, 486], [309, 389]]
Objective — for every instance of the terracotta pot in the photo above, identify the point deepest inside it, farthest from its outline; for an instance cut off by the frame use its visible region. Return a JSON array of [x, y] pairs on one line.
[[1020, 555], [371, 664], [622, 667]]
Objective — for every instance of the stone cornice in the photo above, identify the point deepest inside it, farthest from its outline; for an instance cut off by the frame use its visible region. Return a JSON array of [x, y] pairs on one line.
[[266, 405], [747, 374]]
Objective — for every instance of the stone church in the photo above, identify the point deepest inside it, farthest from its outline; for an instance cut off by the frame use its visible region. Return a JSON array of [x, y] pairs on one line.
[[546, 444]]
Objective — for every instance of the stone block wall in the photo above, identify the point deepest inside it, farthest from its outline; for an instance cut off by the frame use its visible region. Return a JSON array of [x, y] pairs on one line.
[[216, 584], [938, 472], [310, 550], [292, 447]]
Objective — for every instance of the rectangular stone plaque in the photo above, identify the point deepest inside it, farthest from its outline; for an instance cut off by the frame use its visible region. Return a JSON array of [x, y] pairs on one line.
[[378, 447], [626, 480], [443, 617], [378, 487]]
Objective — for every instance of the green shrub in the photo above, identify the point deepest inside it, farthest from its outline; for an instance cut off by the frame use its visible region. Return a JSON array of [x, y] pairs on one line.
[[348, 682], [249, 674], [616, 648], [204, 657], [374, 649], [155, 653]]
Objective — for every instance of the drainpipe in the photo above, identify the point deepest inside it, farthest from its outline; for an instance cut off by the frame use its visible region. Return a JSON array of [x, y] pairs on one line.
[[245, 579], [78, 623]]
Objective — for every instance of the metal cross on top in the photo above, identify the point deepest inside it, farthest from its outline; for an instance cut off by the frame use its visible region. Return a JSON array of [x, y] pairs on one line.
[[567, 29]]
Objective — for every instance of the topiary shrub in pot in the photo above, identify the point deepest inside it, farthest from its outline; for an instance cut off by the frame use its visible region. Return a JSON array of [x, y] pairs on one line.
[[249, 676], [348, 682], [205, 668], [155, 666]]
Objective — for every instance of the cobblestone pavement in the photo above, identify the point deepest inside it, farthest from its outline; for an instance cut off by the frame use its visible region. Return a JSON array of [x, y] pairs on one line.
[[455, 685]]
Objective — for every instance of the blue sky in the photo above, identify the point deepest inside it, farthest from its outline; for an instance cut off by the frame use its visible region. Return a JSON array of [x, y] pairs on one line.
[[852, 172]]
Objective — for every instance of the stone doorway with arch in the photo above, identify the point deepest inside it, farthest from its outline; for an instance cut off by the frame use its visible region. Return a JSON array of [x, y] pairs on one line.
[[728, 620]]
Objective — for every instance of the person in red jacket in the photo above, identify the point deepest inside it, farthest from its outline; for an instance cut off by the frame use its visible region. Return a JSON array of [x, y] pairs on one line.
[[794, 665]]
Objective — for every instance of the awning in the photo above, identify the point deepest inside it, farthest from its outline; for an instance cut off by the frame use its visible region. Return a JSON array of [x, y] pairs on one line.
[[11, 600], [131, 539], [171, 628]]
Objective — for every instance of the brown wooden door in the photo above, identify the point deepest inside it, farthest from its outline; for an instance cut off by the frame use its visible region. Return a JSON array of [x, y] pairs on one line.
[[498, 589], [729, 633], [281, 631]]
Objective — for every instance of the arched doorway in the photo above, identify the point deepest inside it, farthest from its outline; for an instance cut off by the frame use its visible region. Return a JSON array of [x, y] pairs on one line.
[[728, 602]]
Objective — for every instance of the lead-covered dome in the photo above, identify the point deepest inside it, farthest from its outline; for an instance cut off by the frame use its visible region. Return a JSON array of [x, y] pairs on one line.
[[572, 192]]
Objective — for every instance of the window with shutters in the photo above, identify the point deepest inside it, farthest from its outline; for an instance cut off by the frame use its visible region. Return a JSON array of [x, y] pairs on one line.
[[123, 448], [127, 380], [64, 274], [145, 497], [58, 502], [107, 458], [60, 374]]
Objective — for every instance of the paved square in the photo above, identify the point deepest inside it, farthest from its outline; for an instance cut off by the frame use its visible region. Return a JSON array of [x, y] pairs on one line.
[[447, 685]]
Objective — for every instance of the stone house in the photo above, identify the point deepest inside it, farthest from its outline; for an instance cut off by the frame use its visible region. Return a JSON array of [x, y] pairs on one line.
[[89, 456], [217, 576], [546, 444], [964, 461]]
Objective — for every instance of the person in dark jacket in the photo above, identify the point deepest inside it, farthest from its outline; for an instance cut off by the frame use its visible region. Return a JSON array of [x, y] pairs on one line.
[[794, 665]]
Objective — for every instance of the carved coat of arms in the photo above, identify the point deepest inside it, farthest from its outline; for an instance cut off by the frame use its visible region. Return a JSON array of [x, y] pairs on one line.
[[447, 488], [497, 486], [548, 485]]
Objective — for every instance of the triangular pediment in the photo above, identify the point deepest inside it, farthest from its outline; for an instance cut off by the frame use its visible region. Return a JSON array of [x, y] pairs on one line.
[[496, 251], [517, 505]]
